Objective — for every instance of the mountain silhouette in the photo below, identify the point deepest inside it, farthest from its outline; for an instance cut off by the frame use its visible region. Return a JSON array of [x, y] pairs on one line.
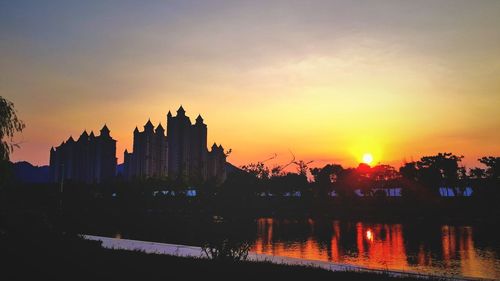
[[27, 173]]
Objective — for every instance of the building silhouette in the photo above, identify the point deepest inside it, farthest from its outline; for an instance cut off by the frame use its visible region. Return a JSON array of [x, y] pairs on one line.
[[149, 158], [90, 159], [181, 155]]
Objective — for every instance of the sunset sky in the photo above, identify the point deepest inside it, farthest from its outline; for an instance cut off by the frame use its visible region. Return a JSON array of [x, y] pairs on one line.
[[327, 80]]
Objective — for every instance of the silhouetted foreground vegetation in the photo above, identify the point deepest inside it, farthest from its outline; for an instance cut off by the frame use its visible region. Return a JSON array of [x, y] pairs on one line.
[[122, 205], [32, 248]]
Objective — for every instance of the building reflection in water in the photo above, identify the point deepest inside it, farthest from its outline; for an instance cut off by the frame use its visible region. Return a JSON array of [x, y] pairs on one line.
[[459, 251], [378, 246]]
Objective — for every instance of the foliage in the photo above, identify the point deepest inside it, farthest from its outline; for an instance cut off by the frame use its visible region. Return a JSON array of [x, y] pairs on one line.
[[226, 239], [9, 125], [440, 169], [259, 170], [492, 166], [477, 173], [227, 250]]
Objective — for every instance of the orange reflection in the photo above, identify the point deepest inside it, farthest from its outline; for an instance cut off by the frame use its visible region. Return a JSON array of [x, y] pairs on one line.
[[334, 248], [382, 251], [373, 249], [472, 261], [376, 246], [369, 235]]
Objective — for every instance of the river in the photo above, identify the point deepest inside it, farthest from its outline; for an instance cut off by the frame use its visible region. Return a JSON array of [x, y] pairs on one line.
[[435, 249]]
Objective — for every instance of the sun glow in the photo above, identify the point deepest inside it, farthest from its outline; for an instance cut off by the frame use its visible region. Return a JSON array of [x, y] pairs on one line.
[[369, 235], [367, 158]]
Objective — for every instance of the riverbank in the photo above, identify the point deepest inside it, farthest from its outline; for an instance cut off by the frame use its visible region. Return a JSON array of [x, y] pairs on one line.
[[196, 252], [30, 249], [91, 263]]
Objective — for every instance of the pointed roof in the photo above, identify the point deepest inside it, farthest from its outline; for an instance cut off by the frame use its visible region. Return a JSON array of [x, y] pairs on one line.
[[148, 125], [52, 149], [70, 139], [181, 110], [84, 136], [214, 146], [199, 119], [136, 130], [169, 114], [160, 127], [126, 151], [92, 134], [105, 128]]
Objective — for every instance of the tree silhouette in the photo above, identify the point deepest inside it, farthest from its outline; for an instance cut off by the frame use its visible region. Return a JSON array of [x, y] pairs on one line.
[[477, 173], [326, 178], [492, 166], [9, 125], [440, 169]]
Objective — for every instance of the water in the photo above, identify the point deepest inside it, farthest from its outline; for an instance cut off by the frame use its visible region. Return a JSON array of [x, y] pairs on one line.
[[436, 249]]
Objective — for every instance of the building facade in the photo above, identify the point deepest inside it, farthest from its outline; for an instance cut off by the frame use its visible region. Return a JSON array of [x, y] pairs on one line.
[[181, 154], [90, 159]]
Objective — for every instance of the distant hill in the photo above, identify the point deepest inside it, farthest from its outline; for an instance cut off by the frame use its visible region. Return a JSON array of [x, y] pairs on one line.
[[230, 168], [26, 172]]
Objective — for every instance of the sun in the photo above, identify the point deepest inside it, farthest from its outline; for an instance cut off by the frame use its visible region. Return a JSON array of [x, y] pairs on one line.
[[367, 158]]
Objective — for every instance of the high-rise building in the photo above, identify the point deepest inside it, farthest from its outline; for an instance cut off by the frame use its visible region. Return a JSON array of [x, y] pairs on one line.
[[90, 159], [149, 157], [187, 158]]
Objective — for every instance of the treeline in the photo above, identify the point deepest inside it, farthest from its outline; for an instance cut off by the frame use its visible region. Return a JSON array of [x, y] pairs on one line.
[[257, 190], [424, 177]]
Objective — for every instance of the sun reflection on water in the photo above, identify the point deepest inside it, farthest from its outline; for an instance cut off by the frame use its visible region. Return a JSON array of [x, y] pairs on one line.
[[378, 246]]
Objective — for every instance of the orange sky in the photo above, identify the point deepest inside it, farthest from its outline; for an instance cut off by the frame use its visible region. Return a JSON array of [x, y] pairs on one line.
[[328, 81]]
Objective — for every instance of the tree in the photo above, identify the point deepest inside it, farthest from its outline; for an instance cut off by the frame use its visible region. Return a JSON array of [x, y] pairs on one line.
[[477, 173], [439, 169], [409, 171], [259, 170], [383, 172], [9, 125], [492, 166], [326, 177], [302, 167]]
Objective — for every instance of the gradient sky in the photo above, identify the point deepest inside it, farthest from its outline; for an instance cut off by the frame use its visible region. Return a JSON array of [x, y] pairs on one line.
[[328, 80]]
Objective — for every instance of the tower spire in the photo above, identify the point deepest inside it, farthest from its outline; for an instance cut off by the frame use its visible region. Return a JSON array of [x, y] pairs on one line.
[[181, 111], [199, 119], [105, 130]]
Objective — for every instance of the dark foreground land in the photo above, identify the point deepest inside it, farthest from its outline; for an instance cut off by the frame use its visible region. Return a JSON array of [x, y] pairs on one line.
[[38, 227], [84, 260], [32, 248]]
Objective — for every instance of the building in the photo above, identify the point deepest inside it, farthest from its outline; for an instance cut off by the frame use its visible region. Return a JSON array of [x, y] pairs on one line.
[[90, 159], [149, 157], [216, 164], [181, 155]]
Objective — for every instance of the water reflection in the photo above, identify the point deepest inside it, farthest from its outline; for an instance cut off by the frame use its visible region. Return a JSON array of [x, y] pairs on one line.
[[434, 249]]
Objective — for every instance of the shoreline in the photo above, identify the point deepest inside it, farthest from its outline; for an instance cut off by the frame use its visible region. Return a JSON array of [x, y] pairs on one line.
[[196, 252]]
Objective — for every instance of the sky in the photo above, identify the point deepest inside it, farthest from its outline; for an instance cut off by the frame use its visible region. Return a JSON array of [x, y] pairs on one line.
[[325, 80]]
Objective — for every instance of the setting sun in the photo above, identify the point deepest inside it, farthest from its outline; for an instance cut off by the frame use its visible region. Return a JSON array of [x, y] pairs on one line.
[[367, 158]]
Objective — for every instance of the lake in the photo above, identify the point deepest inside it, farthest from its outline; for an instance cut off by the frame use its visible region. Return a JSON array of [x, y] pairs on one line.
[[427, 247], [462, 250]]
